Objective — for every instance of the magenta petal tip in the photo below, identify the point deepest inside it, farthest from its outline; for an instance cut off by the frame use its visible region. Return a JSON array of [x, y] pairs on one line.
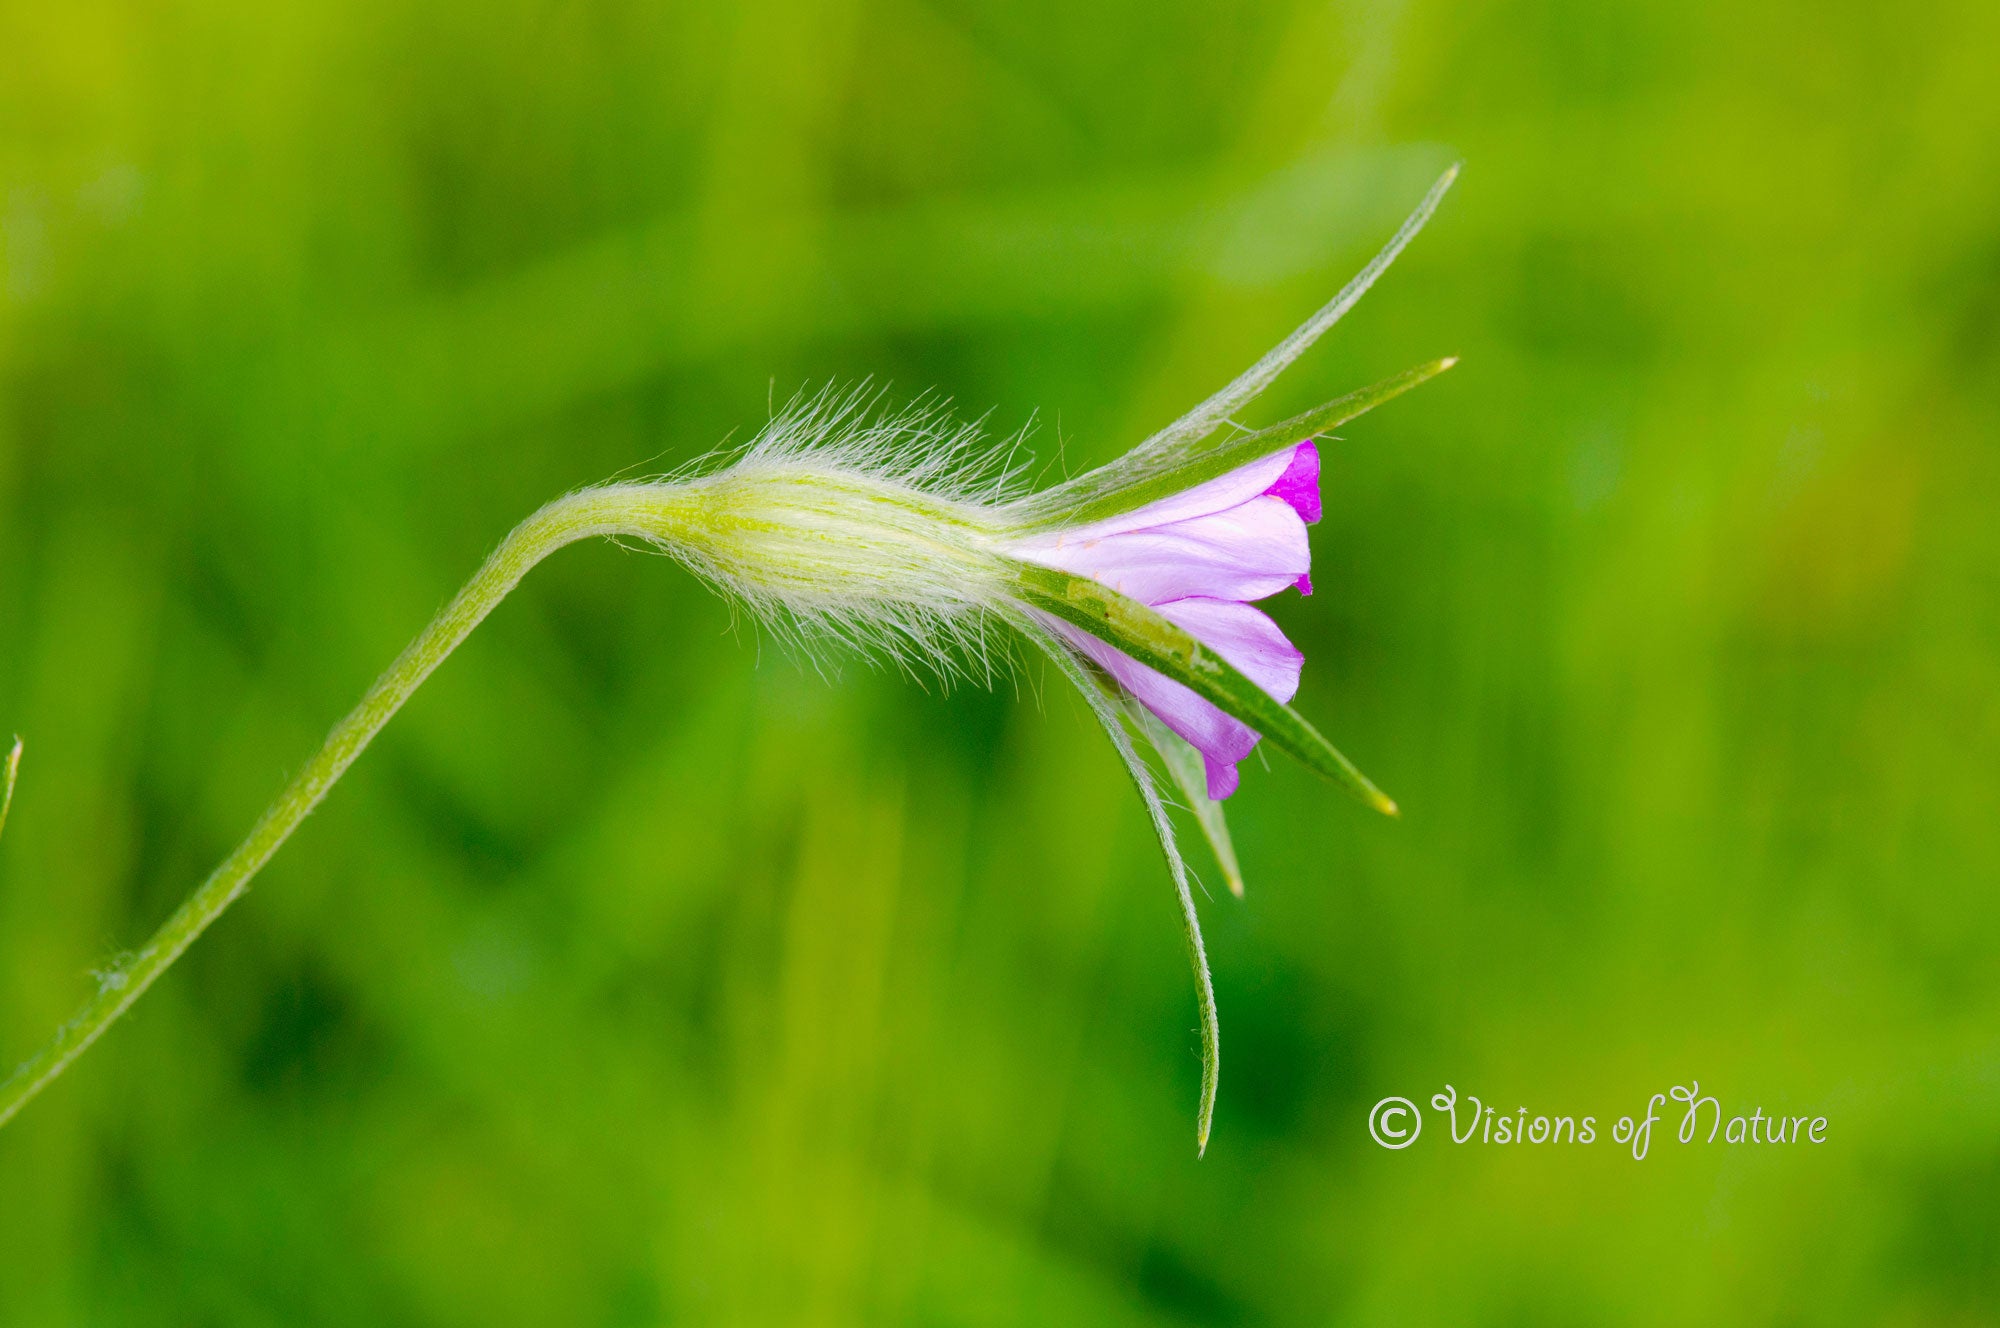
[[1222, 777], [1299, 485]]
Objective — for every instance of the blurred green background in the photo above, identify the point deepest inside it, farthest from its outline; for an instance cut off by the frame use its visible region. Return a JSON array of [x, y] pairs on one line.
[[643, 974]]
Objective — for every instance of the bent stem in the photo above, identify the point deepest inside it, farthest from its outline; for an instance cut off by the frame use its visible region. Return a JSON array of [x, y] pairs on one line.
[[612, 510]]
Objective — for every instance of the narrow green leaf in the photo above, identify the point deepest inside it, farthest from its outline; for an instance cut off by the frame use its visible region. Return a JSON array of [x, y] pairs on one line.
[[1159, 644], [1119, 487], [1183, 764], [1112, 707]]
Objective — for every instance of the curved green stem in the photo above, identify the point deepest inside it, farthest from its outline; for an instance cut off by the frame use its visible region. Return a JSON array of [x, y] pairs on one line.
[[612, 510]]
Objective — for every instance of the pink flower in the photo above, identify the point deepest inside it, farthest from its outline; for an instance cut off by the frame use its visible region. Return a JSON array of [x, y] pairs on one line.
[[1198, 559]]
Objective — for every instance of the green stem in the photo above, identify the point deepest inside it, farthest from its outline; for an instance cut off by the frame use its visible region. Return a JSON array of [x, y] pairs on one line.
[[612, 510], [10, 770]]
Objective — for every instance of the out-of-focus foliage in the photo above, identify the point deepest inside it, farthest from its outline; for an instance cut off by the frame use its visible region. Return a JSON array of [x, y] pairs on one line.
[[643, 973]]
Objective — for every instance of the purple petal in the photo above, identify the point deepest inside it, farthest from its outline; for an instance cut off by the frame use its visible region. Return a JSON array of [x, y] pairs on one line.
[[1222, 739], [1299, 485], [1246, 552], [1244, 636], [1196, 557], [1210, 496], [1222, 777]]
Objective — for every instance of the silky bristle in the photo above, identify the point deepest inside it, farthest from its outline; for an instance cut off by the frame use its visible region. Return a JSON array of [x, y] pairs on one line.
[[852, 525]]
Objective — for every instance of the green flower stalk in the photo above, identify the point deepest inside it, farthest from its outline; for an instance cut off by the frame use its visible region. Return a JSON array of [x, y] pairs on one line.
[[9, 773], [899, 534]]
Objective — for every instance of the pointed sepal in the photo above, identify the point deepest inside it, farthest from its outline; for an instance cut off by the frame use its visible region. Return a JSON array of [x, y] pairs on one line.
[[1149, 638], [1131, 483], [1183, 765]]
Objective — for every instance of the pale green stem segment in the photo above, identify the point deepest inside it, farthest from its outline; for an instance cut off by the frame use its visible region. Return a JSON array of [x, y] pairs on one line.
[[614, 510], [1153, 641], [8, 774], [1183, 764]]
